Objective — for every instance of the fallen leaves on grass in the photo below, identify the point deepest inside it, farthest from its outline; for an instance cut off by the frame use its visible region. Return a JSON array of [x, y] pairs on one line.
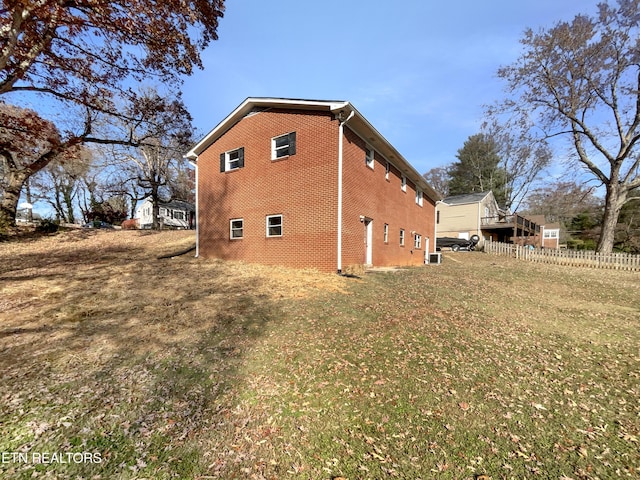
[[186, 368]]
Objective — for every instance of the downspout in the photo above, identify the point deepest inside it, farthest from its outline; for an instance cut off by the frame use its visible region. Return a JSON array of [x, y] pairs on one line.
[[194, 162], [340, 162]]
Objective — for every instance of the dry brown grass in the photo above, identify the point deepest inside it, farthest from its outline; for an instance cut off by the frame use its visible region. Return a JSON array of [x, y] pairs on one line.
[[186, 368], [50, 286]]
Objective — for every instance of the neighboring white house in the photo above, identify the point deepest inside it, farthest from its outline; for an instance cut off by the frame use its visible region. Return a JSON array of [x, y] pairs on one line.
[[175, 214]]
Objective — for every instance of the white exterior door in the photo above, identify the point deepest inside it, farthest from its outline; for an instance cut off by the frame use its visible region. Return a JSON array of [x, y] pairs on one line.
[[368, 226]]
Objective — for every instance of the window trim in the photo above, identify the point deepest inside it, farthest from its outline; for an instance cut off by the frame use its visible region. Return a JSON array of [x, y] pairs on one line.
[[231, 229], [272, 226], [291, 146]]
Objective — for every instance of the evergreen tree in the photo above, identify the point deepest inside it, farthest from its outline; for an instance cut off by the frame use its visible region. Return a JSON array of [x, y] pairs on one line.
[[478, 169]]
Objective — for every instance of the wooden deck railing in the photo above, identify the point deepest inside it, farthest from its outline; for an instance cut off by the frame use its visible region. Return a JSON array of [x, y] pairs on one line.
[[578, 258]]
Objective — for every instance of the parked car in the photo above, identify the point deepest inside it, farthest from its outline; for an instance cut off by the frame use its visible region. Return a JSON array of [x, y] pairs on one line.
[[97, 224], [456, 244]]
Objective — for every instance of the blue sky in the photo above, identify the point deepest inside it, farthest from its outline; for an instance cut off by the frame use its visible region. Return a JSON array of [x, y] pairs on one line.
[[419, 70]]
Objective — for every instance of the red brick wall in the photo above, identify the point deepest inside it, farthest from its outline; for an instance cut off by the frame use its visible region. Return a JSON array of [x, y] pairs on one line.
[[302, 187], [368, 193]]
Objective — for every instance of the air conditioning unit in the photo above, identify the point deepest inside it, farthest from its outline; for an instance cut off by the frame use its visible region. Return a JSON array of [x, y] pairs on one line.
[[435, 258]]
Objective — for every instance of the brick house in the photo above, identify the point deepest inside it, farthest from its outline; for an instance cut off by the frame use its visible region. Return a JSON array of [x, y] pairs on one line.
[[308, 184]]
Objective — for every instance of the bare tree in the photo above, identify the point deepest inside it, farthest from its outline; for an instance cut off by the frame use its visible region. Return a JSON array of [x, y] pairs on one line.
[[580, 80], [438, 179], [522, 158], [157, 165], [60, 182], [560, 201]]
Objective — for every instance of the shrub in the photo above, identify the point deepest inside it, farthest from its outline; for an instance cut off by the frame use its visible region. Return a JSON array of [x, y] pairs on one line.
[[48, 225]]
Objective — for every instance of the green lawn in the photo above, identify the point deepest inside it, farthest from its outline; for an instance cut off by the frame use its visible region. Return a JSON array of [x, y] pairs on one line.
[[479, 366]]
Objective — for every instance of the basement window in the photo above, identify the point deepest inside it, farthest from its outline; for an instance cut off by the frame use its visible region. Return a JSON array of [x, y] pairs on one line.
[[274, 225], [236, 228]]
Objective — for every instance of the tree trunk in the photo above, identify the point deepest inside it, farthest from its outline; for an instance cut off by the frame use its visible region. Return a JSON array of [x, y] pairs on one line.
[[67, 196], [155, 208], [614, 200], [10, 199], [28, 196]]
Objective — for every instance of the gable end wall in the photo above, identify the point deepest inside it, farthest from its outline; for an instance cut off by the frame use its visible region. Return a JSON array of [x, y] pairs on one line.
[[302, 188]]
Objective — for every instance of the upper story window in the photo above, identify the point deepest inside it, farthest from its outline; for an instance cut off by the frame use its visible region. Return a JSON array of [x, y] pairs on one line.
[[387, 170], [232, 160], [418, 196], [403, 183], [386, 233], [369, 156], [283, 146], [551, 233], [402, 237]]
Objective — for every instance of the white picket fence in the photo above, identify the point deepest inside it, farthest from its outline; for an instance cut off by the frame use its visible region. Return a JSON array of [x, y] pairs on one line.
[[577, 258]]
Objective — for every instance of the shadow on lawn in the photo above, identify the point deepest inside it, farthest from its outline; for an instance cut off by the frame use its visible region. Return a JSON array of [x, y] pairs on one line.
[[124, 355]]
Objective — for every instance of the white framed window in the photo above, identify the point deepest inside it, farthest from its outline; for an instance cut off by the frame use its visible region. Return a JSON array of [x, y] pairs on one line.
[[232, 160], [403, 183], [274, 225], [369, 156], [178, 215], [418, 196], [551, 234], [387, 170], [402, 237], [417, 241], [386, 233], [236, 228], [283, 146]]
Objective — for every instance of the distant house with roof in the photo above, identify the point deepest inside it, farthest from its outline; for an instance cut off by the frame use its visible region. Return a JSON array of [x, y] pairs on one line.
[[549, 233], [462, 216], [175, 214]]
